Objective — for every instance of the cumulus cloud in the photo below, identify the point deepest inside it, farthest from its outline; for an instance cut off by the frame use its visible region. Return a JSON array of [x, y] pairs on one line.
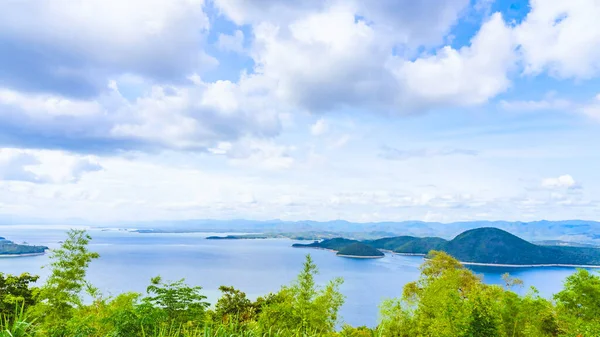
[[309, 62], [73, 48], [412, 23], [562, 182], [310, 65], [44, 166], [403, 21], [561, 38], [179, 117], [468, 76], [391, 153]]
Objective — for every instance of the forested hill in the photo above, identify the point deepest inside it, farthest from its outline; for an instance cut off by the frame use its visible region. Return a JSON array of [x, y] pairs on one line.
[[492, 245], [360, 250], [8, 247], [482, 245]]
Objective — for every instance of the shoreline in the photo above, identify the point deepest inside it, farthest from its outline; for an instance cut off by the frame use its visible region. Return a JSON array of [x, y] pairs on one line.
[[319, 248], [20, 255], [529, 265], [560, 265], [472, 263], [360, 257], [403, 254]]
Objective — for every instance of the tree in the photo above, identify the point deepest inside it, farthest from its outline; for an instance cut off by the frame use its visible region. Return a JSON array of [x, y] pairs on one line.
[[304, 306], [16, 293], [581, 295], [62, 292], [179, 301], [579, 303], [233, 306]]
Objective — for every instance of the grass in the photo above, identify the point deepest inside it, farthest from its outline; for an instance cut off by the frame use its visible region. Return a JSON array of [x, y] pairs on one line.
[[17, 326]]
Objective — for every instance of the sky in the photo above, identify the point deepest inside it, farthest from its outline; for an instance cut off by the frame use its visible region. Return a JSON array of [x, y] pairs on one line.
[[379, 110]]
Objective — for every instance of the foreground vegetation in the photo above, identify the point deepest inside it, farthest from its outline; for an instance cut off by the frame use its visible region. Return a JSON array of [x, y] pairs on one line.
[[447, 300]]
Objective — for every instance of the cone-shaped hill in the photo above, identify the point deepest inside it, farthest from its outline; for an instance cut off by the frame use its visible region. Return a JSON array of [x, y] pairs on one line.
[[493, 245]]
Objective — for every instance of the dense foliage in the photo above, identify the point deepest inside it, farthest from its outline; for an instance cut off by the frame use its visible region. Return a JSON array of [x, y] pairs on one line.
[[447, 300]]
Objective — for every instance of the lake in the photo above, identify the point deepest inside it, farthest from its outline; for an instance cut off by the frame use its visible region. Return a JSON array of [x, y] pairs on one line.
[[129, 260]]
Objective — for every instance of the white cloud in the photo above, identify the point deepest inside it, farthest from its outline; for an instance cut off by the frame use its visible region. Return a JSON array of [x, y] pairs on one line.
[[319, 128], [310, 66], [234, 43], [49, 105], [402, 21], [412, 23], [44, 166], [561, 37], [74, 47], [183, 117], [562, 182], [468, 76]]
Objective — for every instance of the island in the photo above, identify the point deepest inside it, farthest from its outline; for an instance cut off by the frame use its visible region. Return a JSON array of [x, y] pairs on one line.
[[480, 246], [11, 249]]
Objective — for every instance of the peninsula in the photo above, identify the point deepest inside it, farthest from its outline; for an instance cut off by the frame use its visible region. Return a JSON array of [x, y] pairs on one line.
[[481, 246], [11, 249]]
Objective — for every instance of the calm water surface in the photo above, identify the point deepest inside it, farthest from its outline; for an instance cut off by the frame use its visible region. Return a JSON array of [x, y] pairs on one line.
[[129, 260]]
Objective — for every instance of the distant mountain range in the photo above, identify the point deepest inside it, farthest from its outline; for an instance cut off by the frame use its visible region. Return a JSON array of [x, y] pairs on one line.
[[570, 231], [486, 245]]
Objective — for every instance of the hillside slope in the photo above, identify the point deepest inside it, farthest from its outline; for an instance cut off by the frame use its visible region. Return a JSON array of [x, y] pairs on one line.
[[493, 245], [359, 249]]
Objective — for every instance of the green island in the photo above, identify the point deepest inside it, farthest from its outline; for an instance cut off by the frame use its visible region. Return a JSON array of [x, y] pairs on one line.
[[488, 245], [9, 248], [446, 300]]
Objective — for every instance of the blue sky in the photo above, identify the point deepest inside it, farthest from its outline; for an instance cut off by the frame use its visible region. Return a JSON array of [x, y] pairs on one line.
[[437, 110]]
